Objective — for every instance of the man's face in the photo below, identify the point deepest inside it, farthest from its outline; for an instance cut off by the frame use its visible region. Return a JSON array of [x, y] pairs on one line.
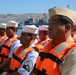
[[1, 31], [42, 34], [25, 38], [55, 28], [9, 32]]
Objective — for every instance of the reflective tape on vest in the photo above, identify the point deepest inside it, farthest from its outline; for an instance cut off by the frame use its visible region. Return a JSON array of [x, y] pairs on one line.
[[61, 47]]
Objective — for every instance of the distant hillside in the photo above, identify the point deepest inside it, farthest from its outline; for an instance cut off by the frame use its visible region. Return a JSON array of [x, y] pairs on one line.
[[18, 17]]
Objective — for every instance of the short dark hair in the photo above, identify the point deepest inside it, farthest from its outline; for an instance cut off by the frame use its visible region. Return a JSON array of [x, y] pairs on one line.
[[45, 31], [13, 28], [31, 34], [65, 20], [3, 29]]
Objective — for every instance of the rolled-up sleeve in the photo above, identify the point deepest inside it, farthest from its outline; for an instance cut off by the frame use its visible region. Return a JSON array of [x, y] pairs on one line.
[[28, 63], [14, 46]]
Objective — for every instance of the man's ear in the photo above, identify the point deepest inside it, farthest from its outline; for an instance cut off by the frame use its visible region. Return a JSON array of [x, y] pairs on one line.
[[68, 27], [32, 37]]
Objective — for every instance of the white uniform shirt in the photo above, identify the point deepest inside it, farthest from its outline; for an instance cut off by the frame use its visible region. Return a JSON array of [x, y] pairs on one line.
[[14, 46], [29, 62]]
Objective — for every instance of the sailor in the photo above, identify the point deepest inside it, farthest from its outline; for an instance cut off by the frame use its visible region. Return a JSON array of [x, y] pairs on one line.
[[24, 57], [43, 37], [43, 34], [9, 45], [59, 55], [2, 32]]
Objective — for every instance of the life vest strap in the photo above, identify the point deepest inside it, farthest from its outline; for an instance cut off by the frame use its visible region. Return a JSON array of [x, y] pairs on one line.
[[2, 56], [10, 71], [38, 72], [36, 49], [18, 59], [5, 47], [0, 49], [50, 56]]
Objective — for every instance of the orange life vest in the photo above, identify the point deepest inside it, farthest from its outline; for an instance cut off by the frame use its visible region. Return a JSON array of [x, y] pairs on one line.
[[2, 38], [43, 42], [49, 60], [5, 49], [74, 38], [40, 45], [18, 57]]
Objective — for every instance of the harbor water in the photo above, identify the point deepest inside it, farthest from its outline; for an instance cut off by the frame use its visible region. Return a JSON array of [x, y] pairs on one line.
[[19, 31]]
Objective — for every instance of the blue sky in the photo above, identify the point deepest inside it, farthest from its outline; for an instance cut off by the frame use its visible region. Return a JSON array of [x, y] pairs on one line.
[[32, 6]]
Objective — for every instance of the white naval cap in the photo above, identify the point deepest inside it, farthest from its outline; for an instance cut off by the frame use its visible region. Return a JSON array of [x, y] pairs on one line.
[[12, 24], [63, 11], [3, 25], [43, 27], [30, 29]]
